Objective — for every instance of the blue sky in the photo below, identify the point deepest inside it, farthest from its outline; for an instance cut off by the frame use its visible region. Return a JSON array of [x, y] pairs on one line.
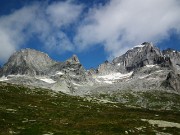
[[94, 30]]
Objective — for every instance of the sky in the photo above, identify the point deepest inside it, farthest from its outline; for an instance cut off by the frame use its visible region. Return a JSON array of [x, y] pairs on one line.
[[94, 30]]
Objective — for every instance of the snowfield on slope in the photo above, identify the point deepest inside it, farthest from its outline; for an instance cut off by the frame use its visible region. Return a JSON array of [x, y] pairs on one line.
[[59, 73], [150, 66], [3, 79], [110, 78], [47, 80]]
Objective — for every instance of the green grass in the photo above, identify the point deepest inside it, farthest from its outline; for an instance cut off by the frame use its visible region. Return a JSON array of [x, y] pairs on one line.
[[154, 99], [28, 111]]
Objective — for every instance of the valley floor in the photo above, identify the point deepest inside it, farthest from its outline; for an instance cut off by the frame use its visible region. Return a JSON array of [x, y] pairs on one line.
[[34, 111]]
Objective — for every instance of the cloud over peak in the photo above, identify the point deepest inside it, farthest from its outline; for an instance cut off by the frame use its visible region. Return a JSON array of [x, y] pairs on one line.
[[120, 24], [41, 20], [64, 26]]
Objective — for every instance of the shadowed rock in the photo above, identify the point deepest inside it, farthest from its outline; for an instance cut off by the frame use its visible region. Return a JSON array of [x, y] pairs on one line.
[[172, 81]]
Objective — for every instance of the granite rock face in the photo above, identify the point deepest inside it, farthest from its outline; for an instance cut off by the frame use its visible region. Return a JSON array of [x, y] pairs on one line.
[[27, 61], [142, 55], [137, 57], [73, 60], [149, 66], [106, 68], [174, 56], [172, 81], [143, 67], [31, 67]]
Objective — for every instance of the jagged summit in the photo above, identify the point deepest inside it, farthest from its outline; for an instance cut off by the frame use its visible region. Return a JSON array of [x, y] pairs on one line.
[[73, 60], [141, 68], [147, 43], [144, 44], [137, 57], [141, 55]]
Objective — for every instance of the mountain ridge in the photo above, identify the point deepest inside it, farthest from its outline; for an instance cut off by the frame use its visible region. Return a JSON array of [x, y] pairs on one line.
[[143, 67]]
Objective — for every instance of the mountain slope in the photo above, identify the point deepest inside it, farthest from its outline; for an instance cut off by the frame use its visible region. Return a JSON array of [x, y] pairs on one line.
[[137, 57], [141, 68], [27, 111]]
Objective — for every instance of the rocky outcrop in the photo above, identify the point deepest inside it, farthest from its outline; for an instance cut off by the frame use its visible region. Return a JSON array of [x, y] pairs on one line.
[[29, 62], [172, 81], [73, 60], [142, 55], [31, 67], [74, 68], [174, 56], [148, 65], [106, 68], [143, 67], [92, 71], [137, 57]]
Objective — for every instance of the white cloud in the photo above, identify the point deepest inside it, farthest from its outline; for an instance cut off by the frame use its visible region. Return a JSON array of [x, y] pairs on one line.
[[11, 30], [6, 46], [63, 13], [118, 25], [41, 20], [59, 43], [121, 24]]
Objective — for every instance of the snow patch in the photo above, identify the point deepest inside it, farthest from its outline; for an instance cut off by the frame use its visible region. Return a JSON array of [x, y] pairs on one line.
[[18, 75], [48, 80], [3, 79], [142, 77], [109, 82], [139, 46], [150, 66], [159, 71], [76, 84], [110, 78], [115, 76], [49, 133], [162, 123], [145, 76], [59, 73], [97, 80], [105, 101]]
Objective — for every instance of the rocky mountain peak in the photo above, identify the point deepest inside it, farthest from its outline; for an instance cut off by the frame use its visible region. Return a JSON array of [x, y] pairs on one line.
[[30, 56], [73, 60], [147, 43], [27, 61], [139, 56], [142, 67]]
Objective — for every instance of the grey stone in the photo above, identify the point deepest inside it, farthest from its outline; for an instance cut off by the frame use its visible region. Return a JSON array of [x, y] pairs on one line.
[[151, 69]]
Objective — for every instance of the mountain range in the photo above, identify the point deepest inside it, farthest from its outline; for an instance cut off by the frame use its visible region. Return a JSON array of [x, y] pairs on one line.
[[142, 68]]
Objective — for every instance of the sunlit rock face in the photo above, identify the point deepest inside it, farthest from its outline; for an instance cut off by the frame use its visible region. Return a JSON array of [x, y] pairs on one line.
[[143, 67], [142, 55], [27, 61], [137, 57]]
